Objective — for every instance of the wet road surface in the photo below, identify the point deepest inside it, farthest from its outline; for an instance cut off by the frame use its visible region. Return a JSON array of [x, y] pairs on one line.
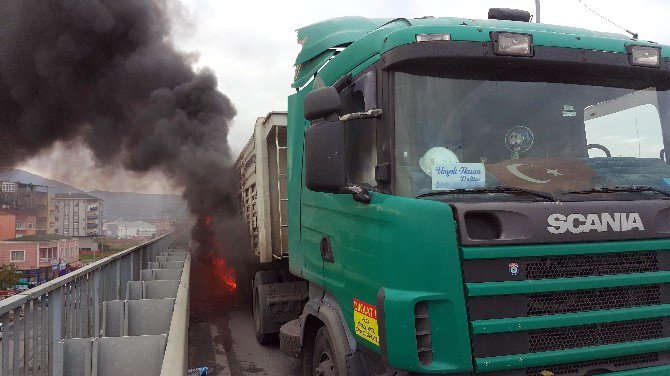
[[221, 334]]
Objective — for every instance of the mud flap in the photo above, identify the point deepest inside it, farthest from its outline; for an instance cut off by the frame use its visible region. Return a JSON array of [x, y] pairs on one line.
[[281, 303]]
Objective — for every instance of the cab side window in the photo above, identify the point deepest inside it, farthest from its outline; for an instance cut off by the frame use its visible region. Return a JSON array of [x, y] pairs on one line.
[[361, 134]]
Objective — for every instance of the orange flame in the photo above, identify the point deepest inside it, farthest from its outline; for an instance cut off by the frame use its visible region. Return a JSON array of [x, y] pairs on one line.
[[208, 220], [225, 273]]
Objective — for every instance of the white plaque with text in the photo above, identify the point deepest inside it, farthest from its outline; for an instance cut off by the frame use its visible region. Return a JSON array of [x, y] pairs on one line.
[[447, 176]]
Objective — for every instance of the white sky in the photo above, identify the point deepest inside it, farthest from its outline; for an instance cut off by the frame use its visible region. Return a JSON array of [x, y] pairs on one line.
[[251, 44]]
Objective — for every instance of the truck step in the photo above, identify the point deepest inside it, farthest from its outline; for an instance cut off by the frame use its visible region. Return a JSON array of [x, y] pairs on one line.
[[289, 338]]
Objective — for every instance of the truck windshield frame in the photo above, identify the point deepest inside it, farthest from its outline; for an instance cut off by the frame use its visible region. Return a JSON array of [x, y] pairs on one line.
[[532, 126]]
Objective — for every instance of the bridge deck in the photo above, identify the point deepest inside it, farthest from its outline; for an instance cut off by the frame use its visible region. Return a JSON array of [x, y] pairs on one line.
[[221, 334]]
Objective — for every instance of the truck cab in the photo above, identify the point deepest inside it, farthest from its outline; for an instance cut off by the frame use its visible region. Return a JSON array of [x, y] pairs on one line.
[[479, 197]]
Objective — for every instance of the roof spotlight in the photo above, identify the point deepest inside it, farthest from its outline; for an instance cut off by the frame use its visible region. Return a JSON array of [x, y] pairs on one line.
[[645, 56], [512, 44], [432, 37]]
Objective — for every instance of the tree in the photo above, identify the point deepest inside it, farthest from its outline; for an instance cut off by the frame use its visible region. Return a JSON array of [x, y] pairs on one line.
[[8, 277]]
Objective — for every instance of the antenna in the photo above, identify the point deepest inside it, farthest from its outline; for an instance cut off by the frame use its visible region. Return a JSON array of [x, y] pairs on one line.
[[537, 11], [634, 35]]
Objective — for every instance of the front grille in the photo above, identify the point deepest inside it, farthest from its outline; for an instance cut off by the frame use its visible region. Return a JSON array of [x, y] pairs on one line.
[[566, 266], [594, 335], [499, 271], [591, 300], [623, 362], [591, 265], [571, 337]]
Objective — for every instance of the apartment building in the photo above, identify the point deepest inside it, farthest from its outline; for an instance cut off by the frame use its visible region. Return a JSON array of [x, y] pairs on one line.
[[78, 214], [7, 225], [25, 221], [31, 198], [164, 225], [51, 229], [136, 230], [41, 257]]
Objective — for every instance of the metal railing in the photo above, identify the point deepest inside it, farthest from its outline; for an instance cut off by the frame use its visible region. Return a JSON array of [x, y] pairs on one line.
[[35, 321]]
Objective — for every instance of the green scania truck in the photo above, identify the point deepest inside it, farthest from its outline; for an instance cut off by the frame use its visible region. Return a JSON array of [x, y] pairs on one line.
[[463, 197]]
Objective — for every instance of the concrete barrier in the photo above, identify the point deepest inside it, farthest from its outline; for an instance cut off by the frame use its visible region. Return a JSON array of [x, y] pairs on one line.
[[56, 328]]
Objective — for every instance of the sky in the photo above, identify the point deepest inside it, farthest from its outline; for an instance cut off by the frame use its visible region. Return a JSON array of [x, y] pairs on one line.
[[251, 45]]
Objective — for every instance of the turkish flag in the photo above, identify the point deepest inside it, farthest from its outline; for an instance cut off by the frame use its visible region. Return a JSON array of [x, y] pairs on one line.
[[544, 174]]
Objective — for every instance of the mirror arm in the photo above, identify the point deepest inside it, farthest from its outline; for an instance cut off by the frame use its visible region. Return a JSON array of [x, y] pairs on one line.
[[359, 194], [371, 114]]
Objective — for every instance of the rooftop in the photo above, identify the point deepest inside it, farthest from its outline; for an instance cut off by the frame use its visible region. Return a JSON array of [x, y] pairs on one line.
[[76, 196], [40, 238], [28, 187], [19, 212], [137, 224], [33, 187]]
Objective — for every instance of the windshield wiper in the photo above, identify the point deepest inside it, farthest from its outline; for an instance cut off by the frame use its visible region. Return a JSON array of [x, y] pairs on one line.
[[633, 188], [498, 189]]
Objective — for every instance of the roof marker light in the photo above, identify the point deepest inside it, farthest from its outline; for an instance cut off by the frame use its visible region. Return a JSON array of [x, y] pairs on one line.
[[432, 37], [512, 44], [645, 56]]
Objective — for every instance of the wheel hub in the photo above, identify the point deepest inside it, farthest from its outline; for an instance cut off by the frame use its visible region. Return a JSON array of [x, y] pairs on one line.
[[326, 366]]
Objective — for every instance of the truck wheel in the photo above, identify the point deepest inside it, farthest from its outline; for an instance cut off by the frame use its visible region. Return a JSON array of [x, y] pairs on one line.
[[245, 283], [322, 359], [260, 307]]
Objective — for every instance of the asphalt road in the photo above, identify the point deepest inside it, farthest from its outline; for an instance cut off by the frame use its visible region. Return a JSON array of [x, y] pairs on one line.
[[221, 334]]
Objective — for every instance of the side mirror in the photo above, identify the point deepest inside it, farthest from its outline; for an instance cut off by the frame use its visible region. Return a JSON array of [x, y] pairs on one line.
[[325, 159], [322, 102]]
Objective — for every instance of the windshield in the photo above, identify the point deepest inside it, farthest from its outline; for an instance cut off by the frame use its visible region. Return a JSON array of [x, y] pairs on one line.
[[455, 134]]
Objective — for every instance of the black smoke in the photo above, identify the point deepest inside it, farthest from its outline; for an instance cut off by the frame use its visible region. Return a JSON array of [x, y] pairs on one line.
[[106, 73]]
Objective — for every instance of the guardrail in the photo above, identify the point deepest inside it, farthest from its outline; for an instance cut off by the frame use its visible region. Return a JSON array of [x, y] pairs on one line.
[[175, 361], [37, 321]]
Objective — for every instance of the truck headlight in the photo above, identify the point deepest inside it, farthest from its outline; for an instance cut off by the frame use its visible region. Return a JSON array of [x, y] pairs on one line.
[[645, 56], [512, 44]]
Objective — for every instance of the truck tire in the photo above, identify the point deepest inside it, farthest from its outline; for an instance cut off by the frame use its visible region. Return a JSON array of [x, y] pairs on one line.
[[322, 358], [260, 307], [245, 283]]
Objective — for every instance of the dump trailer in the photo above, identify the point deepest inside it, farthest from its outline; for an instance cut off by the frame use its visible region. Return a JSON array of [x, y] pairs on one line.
[[466, 197], [263, 193]]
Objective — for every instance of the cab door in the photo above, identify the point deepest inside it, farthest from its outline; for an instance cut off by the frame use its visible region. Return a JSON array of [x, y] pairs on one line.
[[338, 230]]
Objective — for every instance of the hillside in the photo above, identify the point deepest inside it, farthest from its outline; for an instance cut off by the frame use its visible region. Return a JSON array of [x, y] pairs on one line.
[[14, 174], [127, 205], [133, 206]]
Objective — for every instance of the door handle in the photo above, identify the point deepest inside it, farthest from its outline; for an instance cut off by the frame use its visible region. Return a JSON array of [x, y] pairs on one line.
[[326, 250]]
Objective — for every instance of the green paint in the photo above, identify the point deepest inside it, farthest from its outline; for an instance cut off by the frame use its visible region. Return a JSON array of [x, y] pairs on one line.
[[325, 35], [307, 69], [366, 38], [548, 358], [519, 251], [519, 324], [409, 247], [372, 245], [565, 284]]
